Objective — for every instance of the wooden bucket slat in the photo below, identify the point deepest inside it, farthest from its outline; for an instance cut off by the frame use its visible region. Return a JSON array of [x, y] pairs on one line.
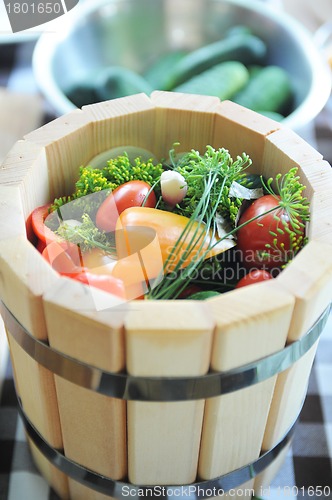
[[263, 481], [257, 326], [24, 164], [23, 276], [78, 329], [178, 113], [241, 130], [79, 492], [284, 148], [309, 278], [164, 437], [320, 227], [53, 476], [68, 143], [121, 122], [12, 216], [288, 398]]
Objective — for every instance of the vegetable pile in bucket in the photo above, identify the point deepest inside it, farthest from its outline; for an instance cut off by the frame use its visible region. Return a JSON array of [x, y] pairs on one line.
[[192, 226]]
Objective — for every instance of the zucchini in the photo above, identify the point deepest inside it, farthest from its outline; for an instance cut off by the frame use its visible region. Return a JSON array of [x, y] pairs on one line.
[[223, 81], [242, 47], [116, 81], [268, 90]]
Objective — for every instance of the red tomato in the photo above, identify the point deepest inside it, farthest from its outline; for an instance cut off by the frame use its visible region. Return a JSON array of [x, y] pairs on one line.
[[189, 290], [43, 232], [130, 194], [265, 242], [254, 276]]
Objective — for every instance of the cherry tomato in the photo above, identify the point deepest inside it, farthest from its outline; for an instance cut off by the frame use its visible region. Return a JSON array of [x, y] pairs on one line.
[[254, 276], [265, 242], [43, 232], [189, 290], [130, 194]]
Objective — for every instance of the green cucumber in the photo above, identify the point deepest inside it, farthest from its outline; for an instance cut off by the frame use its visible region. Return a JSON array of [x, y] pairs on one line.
[[82, 93], [252, 181], [157, 73], [268, 90], [277, 117], [116, 81], [242, 47], [238, 29], [203, 295], [223, 81]]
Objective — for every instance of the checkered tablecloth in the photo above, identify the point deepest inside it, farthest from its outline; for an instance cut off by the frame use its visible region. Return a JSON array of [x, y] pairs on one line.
[[308, 465]]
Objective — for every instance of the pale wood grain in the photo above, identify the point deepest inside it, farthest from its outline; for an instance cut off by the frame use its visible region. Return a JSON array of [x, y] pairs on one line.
[[184, 118], [12, 223], [53, 476], [24, 164], [320, 227], [262, 484], [23, 276], [290, 390], [164, 437], [284, 149], [80, 492], [68, 143], [234, 423], [309, 279], [120, 122], [241, 130], [93, 425]]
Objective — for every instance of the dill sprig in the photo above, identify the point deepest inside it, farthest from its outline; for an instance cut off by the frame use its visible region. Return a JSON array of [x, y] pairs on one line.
[[86, 235], [211, 174], [117, 171], [214, 187], [292, 212], [195, 168]]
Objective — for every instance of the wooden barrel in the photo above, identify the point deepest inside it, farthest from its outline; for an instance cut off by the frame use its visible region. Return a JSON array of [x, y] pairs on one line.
[[152, 394]]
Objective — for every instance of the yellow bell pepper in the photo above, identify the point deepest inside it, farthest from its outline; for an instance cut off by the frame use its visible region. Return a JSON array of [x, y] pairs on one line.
[[137, 227]]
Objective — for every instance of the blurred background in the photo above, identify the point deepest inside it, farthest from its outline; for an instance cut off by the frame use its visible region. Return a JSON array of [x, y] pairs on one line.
[[104, 49]]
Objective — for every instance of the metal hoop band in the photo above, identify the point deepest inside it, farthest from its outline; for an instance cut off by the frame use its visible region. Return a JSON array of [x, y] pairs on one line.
[[119, 489], [129, 387]]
